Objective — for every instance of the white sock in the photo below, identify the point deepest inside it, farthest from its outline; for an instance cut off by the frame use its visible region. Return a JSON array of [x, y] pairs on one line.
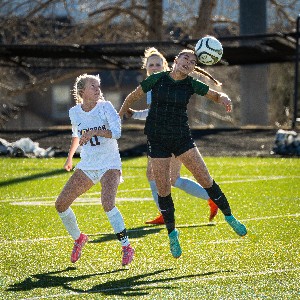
[[69, 220], [116, 220], [154, 192], [191, 187]]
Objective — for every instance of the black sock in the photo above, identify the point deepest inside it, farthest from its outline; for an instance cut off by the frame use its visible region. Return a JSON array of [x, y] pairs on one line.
[[217, 196], [166, 206], [122, 235]]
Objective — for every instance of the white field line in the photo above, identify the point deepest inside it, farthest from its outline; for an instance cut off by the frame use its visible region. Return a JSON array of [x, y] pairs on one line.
[[257, 178], [297, 215], [30, 200], [55, 196], [174, 281], [78, 201]]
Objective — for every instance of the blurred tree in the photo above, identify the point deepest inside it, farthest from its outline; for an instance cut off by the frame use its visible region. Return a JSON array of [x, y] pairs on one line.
[[62, 22], [155, 11], [204, 25]]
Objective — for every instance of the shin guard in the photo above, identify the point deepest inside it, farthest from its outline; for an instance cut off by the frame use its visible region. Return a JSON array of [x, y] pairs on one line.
[[166, 206], [217, 196]]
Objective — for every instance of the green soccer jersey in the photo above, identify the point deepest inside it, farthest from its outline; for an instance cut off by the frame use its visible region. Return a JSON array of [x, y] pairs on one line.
[[167, 116]]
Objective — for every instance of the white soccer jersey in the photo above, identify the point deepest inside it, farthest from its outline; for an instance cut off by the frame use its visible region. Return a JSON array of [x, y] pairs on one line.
[[99, 153]]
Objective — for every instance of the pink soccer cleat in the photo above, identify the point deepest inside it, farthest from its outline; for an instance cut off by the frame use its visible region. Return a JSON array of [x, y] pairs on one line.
[[128, 253], [78, 245]]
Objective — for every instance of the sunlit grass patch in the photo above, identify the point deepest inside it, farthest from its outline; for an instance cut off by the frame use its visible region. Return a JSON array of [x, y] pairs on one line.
[[216, 264]]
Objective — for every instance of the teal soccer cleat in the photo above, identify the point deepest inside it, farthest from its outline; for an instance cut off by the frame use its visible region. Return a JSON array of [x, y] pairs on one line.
[[237, 226], [174, 243]]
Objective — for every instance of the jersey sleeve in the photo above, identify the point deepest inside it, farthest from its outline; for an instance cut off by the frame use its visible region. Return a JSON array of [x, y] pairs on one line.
[[149, 97], [199, 87], [149, 82], [74, 131], [113, 120], [72, 116], [141, 114]]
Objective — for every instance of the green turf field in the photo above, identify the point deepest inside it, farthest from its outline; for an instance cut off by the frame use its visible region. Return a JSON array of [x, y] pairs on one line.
[[216, 264]]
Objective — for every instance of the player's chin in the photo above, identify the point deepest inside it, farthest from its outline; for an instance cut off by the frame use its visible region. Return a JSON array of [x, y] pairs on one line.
[[186, 71]]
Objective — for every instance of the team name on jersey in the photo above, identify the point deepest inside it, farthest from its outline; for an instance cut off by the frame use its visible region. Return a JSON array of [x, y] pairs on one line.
[[82, 131]]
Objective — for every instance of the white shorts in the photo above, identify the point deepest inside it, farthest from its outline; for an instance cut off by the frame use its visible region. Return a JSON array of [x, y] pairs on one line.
[[96, 175]]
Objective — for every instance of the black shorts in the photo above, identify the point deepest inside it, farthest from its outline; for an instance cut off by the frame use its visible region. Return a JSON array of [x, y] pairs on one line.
[[163, 148]]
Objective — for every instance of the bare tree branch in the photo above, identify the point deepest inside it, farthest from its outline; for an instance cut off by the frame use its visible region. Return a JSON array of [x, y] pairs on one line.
[[40, 7], [47, 81], [281, 11], [204, 21]]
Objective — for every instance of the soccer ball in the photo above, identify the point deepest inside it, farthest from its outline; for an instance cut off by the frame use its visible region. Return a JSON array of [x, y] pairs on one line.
[[209, 50]]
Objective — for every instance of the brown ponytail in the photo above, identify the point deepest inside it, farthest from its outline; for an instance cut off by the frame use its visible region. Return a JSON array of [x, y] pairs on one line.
[[203, 72]]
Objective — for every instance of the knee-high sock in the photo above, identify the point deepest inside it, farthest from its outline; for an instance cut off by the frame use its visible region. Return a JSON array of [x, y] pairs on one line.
[[217, 196], [191, 187], [116, 220], [154, 192], [167, 209], [69, 220]]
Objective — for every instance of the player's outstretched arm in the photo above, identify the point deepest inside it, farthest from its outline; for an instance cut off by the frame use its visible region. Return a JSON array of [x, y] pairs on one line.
[[220, 98], [134, 96], [69, 162]]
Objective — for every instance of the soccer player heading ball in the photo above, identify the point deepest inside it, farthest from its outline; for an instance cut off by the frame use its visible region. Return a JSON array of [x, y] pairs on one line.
[[168, 133], [154, 62]]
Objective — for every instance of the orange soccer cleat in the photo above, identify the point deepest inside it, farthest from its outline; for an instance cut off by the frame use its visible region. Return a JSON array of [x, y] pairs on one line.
[[213, 209], [159, 220]]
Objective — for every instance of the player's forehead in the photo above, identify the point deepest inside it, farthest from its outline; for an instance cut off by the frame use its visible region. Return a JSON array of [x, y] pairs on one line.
[[92, 82], [188, 55], [154, 59]]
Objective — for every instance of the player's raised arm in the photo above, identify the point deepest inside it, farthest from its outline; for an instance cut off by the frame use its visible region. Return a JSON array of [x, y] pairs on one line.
[[134, 96], [220, 98]]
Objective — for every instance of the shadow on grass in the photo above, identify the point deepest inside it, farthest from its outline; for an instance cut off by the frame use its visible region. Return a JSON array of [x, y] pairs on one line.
[[31, 177], [47, 280], [130, 286], [138, 285], [134, 233], [139, 232]]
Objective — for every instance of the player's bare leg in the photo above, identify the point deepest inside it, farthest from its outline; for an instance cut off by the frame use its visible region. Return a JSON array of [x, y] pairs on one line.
[[109, 183], [109, 187], [191, 187], [77, 184], [194, 162], [159, 219]]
